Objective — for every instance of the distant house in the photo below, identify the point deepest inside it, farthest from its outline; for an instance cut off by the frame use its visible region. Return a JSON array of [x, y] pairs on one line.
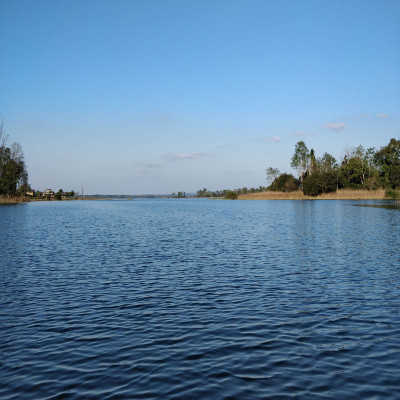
[[30, 193], [48, 192]]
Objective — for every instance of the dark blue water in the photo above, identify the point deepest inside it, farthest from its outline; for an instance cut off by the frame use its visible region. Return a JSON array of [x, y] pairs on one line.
[[199, 299]]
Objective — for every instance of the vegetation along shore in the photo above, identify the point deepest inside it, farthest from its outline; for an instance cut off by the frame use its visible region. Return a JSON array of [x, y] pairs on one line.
[[14, 185], [361, 174], [341, 194]]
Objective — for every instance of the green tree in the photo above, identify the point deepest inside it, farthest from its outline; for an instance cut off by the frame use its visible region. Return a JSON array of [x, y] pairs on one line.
[[319, 182], [312, 186], [272, 174], [285, 183], [327, 163], [354, 169], [230, 195], [13, 173], [313, 163], [369, 158], [300, 160], [387, 160], [352, 173], [203, 193]]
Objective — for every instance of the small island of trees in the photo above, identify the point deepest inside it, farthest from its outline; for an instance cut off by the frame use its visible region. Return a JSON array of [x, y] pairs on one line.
[[366, 169], [360, 169]]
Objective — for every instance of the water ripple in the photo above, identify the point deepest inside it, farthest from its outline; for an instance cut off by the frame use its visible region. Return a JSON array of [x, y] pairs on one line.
[[157, 299]]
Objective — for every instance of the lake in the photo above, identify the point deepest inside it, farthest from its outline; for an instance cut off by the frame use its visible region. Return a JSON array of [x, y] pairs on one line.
[[200, 299]]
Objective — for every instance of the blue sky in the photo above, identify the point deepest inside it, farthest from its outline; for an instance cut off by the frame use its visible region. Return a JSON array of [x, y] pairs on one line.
[[146, 96]]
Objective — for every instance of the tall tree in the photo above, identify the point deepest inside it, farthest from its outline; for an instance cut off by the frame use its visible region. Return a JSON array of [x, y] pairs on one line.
[[272, 174], [388, 162], [327, 163], [3, 143], [300, 159], [313, 163], [354, 168], [352, 173], [13, 172]]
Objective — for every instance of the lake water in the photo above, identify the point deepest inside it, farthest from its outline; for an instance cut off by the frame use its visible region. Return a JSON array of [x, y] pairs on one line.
[[199, 299]]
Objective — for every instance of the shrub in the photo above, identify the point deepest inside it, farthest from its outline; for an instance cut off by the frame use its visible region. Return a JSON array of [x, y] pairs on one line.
[[319, 182], [231, 195], [328, 182], [392, 194], [312, 186], [285, 183]]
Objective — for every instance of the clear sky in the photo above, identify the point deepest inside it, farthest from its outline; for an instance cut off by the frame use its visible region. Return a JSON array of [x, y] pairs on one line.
[[159, 96]]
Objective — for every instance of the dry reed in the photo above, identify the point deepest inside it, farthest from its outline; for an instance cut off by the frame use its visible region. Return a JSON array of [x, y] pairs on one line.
[[12, 200], [343, 194]]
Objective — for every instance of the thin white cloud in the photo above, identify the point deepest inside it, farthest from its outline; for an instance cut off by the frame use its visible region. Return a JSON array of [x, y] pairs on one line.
[[298, 133], [188, 156], [335, 126], [383, 116], [273, 139]]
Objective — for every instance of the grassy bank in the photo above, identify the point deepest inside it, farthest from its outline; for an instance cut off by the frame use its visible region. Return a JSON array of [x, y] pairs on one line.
[[344, 194], [13, 200]]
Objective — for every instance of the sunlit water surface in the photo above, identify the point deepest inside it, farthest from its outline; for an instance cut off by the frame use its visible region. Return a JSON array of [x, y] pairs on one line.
[[199, 299]]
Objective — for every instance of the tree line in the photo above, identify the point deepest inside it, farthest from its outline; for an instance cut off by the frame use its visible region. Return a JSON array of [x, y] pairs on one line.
[[14, 174], [13, 171], [228, 192], [360, 168]]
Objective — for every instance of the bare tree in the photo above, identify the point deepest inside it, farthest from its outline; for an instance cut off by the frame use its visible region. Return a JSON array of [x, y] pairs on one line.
[[16, 152], [3, 142], [3, 137]]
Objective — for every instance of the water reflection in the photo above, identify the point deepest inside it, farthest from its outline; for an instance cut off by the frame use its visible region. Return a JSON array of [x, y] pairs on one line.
[[389, 205]]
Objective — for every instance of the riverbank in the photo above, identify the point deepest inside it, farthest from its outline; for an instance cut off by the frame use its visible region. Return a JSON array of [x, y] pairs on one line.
[[344, 194], [13, 200], [18, 200]]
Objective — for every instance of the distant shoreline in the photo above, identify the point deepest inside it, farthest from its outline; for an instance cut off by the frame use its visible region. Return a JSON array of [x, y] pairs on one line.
[[20, 200], [342, 194]]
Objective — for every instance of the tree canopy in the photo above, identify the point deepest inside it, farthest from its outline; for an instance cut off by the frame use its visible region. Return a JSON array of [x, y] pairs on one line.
[[387, 160], [300, 159], [285, 183], [359, 169], [13, 173]]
